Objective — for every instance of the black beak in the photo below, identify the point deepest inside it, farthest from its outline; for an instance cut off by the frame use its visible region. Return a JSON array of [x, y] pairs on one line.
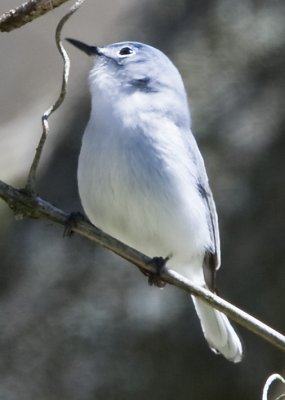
[[89, 50]]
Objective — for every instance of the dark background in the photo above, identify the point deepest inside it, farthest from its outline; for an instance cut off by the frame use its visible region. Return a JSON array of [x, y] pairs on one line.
[[77, 322]]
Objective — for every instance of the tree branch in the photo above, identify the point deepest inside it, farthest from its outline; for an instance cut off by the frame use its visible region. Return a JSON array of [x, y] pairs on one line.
[[27, 12], [31, 181], [25, 205], [269, 381]]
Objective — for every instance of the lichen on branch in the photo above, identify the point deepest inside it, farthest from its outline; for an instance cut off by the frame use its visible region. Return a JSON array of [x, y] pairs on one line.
[[27, 12]]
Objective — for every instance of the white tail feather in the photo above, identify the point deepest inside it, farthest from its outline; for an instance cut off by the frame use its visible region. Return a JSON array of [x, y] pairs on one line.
[[218, 331]]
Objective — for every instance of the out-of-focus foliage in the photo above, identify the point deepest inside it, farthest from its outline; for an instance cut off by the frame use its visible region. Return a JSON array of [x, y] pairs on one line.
[[77, 322]]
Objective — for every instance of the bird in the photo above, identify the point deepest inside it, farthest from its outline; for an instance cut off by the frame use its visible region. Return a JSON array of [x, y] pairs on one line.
[[141, 176]]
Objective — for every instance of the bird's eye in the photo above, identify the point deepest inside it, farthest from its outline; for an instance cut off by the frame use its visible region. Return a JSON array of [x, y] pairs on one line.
[[126, 51]]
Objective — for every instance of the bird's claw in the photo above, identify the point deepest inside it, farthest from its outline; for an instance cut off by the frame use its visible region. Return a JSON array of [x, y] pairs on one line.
[[154, 277], [72, 222]]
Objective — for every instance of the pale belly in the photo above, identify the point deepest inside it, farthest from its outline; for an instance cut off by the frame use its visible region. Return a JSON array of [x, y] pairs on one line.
[[146, 198], [154, 218]]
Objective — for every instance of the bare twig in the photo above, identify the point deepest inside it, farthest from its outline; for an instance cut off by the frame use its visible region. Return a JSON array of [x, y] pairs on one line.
[[27, 12], [31, 181], [24, 204], [270, 380]]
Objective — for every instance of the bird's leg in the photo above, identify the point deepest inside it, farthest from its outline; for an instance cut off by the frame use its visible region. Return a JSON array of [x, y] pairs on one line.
[[154, 277], [72, 222]]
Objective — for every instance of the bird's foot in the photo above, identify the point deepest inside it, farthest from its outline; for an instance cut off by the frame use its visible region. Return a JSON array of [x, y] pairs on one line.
[[154, 277], [72, 222]]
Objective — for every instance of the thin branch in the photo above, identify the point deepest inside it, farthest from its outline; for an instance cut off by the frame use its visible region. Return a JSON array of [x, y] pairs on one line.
[[270, 380], [31, 181], [27, 12], [23, 204]]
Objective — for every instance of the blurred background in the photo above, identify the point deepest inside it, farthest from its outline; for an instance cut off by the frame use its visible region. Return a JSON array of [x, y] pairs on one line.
[[77, 322]]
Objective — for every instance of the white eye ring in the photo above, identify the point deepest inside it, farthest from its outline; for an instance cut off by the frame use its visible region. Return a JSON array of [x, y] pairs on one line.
[[126, 51]]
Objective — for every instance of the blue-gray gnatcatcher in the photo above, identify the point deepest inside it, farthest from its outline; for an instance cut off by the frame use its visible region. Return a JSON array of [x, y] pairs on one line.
[[141, 176]]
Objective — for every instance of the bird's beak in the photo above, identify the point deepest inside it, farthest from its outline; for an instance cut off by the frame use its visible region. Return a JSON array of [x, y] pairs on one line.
[[89, 50]]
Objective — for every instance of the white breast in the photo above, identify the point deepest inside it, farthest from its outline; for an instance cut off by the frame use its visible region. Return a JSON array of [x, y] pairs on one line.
[[136, 188]]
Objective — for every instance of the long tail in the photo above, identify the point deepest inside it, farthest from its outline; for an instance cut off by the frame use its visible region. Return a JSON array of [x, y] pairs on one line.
[[218, 331]]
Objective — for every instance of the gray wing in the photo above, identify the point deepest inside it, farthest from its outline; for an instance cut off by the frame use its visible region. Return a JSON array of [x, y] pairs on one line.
[[212, 259]]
